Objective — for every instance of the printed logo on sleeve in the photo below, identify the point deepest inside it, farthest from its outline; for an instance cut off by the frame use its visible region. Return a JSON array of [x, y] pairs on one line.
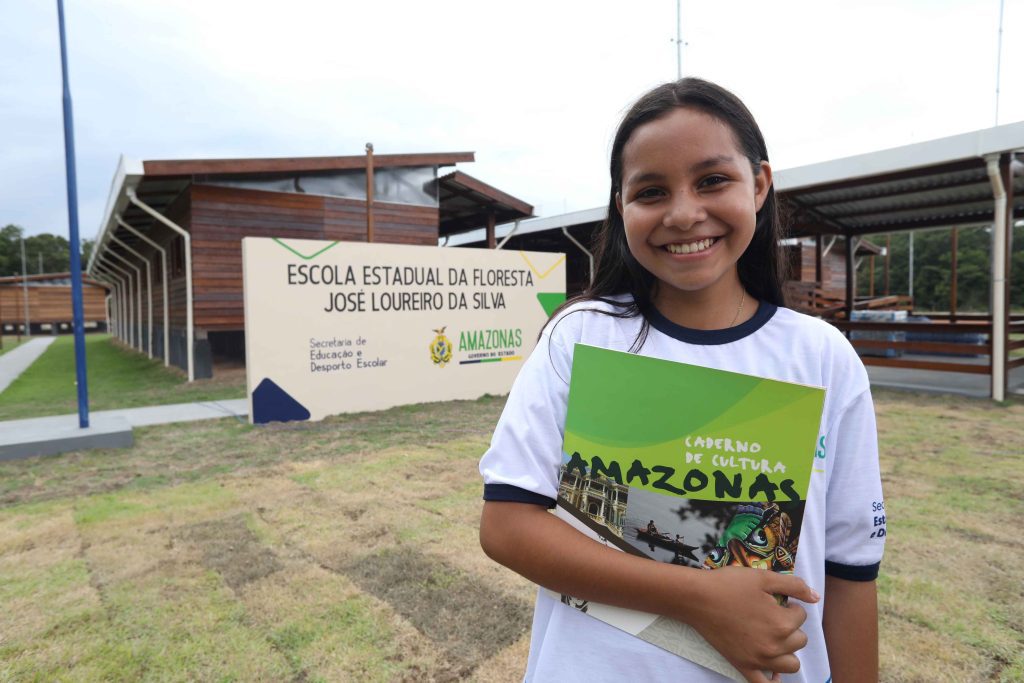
[[878, 510], [819, 455]]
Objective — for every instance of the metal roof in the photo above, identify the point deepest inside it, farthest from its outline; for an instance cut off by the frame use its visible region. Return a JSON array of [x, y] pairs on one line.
[[529, 226], [939, 183], [466, 202]]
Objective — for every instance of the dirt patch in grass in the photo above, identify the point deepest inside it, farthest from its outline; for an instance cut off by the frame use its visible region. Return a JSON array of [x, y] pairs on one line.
[[467, 618], [229, 547]]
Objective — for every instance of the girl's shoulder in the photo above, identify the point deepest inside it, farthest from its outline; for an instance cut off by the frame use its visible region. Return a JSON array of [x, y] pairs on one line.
[[601, 322], [810, 328], [824, 344], [585, 313]]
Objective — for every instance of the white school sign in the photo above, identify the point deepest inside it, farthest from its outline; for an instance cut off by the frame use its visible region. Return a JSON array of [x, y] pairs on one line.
[[336, 327]]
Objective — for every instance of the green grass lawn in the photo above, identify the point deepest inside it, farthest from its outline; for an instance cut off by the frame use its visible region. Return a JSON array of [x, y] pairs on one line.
[[346, 550], [118, 378], [12, 342]]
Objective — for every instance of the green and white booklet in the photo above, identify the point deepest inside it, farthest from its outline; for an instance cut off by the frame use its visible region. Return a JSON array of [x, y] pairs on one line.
[[684, 464]]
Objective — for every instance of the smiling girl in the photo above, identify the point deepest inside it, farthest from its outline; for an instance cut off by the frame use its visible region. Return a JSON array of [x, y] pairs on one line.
[[688, 269]]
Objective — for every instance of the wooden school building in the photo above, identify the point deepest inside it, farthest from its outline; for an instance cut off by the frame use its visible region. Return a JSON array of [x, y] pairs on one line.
[[169, 246], [43, 303]]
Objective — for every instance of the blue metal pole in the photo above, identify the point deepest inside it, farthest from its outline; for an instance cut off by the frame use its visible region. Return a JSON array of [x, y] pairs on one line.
[[76, 258]]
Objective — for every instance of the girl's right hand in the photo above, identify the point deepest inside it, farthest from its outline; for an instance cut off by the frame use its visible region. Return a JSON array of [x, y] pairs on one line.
[[739, 615]]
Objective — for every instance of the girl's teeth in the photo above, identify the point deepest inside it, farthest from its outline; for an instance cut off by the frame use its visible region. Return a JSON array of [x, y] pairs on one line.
[[691, 247]]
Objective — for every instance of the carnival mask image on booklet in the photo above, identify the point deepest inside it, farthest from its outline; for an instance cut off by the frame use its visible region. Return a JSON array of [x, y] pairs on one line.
[[684, 464]]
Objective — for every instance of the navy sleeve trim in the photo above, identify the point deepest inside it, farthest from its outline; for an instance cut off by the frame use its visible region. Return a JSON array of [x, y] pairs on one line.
[[506, 493], [852, 572]]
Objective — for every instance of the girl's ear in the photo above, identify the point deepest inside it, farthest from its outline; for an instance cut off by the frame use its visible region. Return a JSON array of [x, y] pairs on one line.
[[618, 202], [762, 183]]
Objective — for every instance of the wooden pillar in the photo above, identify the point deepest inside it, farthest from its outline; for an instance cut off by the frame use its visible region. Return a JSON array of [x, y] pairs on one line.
[[491, 241], [952, 275], [817, 258], [369, 191], [871, 277], [849, 277], [888, 254]]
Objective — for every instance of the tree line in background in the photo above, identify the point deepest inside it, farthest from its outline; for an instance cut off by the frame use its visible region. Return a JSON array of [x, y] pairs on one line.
[[932, 269], [44, 253]]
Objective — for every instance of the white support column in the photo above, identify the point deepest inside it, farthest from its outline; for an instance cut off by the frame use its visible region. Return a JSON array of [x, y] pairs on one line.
[[120, 289], [138, 290], [163, 273], [129, 312], [108, 299], [115, 298], [115, 301], [590, 257], [998, 278], [189, 317], [149, 292]]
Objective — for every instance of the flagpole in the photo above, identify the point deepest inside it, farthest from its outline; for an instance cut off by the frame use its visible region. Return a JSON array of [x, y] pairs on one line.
[[76, 258]]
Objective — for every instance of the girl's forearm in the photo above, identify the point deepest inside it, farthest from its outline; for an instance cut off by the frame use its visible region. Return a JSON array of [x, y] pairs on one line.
[[850, 622], [534, 543]]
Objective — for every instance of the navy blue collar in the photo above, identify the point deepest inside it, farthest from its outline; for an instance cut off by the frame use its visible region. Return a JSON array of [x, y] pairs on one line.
[[764, 313]]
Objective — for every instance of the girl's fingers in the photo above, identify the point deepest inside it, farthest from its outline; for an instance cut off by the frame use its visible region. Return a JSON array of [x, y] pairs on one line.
[[757, 676], [793, 586]]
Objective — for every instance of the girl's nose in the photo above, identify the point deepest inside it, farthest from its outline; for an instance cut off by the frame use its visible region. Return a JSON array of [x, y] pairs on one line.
[[684, 211]]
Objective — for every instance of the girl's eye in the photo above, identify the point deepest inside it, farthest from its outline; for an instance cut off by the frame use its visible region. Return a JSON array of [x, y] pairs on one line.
[[649, 193], [713, 180]]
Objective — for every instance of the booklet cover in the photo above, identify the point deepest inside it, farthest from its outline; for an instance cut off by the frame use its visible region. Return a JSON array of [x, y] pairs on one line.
[[684, 464]]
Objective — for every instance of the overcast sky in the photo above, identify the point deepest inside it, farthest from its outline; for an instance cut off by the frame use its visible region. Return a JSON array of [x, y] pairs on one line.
[[534, 87]]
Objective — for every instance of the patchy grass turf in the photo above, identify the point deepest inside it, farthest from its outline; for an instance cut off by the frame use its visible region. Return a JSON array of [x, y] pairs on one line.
[[346, 550], [118, 378]]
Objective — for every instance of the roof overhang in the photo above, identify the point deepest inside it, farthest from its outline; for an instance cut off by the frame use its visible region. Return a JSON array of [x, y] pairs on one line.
[[190, 167], [466, 203], [531, 226], [159, 183], [939, 183]]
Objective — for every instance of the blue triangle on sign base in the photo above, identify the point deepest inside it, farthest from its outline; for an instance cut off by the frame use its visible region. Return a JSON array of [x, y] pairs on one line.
[[271, 403]]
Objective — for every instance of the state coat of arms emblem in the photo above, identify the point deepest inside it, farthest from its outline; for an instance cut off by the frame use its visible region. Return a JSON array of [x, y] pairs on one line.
[[441, 348]]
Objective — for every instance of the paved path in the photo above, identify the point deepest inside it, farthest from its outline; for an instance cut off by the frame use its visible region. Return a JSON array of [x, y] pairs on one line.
[[178, 412], [16, 361], [932, 381], [107, 428]]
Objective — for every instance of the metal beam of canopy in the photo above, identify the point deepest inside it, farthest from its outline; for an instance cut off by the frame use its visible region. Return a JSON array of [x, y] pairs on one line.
[[189, 313], [149, 290], [138, 289], [163, 272]]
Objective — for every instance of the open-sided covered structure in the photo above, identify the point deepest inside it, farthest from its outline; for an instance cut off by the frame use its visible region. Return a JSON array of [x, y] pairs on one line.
[[169, 245], [969, 180]]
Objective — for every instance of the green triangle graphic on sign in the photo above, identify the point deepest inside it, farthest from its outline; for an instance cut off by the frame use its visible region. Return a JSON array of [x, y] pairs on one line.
[[550, 301], [303, 256]]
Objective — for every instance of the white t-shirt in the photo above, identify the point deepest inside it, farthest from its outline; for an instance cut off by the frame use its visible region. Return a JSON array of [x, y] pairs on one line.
[[844, 519]]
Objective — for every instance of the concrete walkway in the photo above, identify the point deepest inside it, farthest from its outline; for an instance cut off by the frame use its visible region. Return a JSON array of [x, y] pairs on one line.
[[16, 361], [931, 381], [107, 428]]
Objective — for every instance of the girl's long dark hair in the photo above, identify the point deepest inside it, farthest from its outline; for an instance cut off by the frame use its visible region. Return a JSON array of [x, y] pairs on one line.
[[617, 272]]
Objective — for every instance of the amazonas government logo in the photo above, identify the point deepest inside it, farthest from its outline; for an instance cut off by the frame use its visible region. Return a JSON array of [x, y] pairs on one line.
[[441, 348]]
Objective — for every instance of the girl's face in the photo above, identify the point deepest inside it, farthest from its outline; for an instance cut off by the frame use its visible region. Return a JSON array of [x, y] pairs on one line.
[[688, 200]]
